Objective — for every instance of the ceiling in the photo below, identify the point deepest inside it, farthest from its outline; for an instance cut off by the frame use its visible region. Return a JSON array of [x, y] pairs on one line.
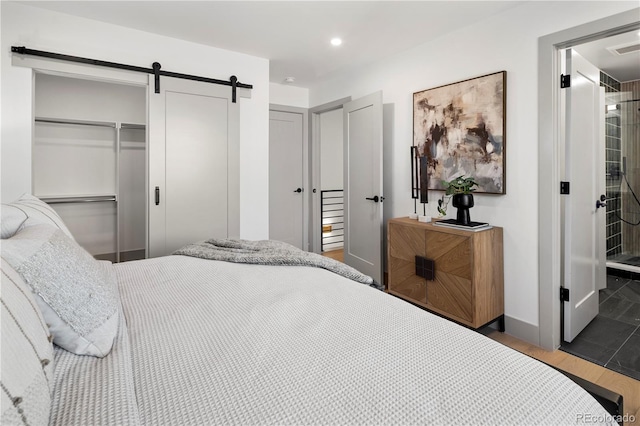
[[621, 67], [295, 35]]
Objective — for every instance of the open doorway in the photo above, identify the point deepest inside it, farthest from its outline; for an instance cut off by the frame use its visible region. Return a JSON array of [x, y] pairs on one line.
[[327, 147], [551, 161], [331, 145], [612, 337]]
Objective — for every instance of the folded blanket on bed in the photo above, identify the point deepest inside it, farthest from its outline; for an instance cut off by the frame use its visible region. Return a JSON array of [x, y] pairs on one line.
[[268, 252]]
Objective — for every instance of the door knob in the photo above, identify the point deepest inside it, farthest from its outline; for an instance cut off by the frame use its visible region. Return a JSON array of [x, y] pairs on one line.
[[299, 190], [374, 199]]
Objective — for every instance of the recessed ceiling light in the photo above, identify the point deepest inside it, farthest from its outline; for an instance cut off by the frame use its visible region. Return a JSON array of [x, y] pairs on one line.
[[336, 41]]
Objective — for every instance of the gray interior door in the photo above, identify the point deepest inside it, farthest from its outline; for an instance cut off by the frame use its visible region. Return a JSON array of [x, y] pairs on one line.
[[363, 185], [193, 164], [286, 187]]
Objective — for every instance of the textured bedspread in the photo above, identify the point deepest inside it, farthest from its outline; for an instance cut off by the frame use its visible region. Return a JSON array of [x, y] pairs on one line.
[[226, 343], [95, 391], [270, 252]]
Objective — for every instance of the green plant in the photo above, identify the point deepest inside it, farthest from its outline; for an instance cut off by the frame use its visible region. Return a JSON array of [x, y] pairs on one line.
[[459, 185]]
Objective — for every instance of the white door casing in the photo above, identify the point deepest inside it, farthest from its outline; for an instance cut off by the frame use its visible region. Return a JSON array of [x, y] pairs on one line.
[[363, 179], [193, 164], [584, 223], [286, 159]]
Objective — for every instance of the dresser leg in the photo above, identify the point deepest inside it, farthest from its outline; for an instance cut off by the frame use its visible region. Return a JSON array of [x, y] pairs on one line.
[[501, 323]]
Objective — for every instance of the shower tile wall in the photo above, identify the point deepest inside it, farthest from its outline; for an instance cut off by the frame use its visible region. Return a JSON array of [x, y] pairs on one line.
[[613, 168]]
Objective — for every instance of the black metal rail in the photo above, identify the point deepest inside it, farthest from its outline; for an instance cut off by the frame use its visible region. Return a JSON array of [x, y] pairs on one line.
[[156, 69], [332, 211]]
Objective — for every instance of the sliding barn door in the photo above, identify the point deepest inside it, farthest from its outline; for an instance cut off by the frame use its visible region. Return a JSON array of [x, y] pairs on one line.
[[193, 164]]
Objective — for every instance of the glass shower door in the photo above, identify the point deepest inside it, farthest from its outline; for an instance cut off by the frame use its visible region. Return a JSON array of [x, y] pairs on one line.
[[623, 178]]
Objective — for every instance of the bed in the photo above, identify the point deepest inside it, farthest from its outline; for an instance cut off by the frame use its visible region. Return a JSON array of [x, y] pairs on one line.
[[202, 342]]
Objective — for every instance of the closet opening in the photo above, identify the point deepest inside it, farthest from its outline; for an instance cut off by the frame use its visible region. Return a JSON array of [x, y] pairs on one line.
[[89, 161]]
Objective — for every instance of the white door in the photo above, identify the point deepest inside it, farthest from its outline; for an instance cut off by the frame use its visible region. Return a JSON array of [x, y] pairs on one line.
[[286, 188], [193, 176], [363, 185], [585, 262]]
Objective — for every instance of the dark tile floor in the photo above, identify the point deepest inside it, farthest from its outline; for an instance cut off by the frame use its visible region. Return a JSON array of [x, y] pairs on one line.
[[612, 339]]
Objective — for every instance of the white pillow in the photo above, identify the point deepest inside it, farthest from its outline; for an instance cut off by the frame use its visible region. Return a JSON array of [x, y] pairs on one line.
[[27, 355], [27, 206], [76, 293]]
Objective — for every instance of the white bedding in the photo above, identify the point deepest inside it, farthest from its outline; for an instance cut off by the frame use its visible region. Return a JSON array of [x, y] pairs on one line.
[[223, 343], [95, 391]]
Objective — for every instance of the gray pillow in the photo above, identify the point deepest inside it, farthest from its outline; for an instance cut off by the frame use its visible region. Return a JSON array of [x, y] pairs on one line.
[[27, 355], [15, 214], [76, 293]]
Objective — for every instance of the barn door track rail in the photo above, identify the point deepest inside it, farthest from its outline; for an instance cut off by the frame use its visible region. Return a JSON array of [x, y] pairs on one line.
[[155, 70]]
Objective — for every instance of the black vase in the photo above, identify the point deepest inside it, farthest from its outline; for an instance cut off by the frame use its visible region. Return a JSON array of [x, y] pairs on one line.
[[463, 202]]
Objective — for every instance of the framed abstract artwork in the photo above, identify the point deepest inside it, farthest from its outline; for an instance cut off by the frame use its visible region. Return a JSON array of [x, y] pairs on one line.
[[459, 129]]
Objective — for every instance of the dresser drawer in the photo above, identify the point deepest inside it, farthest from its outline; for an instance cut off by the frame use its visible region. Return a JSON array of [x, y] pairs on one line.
[[451, 291], [451, 295], [405, 244]]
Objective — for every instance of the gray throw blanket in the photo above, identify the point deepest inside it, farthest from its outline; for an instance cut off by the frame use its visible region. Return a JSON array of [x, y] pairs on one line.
[[268, 252]]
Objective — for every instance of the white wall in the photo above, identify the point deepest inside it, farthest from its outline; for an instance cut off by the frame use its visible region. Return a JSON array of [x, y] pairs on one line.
[[283, 94], [508, 42], [23, 25], [331, 150]]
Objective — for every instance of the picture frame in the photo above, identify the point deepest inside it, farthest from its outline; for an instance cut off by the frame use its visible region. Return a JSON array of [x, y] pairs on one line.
[[460, 130]]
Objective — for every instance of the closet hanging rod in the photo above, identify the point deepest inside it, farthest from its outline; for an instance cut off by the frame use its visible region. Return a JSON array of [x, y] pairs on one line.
[[132, 126], [79, 199], [233, 80], [75, 122]]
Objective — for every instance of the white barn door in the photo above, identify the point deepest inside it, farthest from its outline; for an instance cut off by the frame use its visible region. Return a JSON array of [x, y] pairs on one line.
[[193, 164]]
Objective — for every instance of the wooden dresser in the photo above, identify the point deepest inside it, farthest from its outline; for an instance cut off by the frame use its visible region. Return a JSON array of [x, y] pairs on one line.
[[456, 273]]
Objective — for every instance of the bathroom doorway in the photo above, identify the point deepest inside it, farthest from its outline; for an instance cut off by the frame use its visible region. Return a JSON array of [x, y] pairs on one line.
[[612, 338]]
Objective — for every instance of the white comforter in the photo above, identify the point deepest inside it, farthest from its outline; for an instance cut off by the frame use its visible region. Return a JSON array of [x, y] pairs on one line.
[[222, 343]]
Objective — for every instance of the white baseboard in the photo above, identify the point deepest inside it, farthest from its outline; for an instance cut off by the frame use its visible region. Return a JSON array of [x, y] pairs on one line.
[[522, 330]]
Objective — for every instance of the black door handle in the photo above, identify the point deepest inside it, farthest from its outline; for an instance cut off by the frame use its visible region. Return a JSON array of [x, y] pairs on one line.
[[374, 199], [299, 190], [601, 202], [157, 195]]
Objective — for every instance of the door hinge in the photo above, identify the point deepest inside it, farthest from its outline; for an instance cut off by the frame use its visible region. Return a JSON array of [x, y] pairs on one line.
[[564, 187], [565, 81], [564, 294]]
